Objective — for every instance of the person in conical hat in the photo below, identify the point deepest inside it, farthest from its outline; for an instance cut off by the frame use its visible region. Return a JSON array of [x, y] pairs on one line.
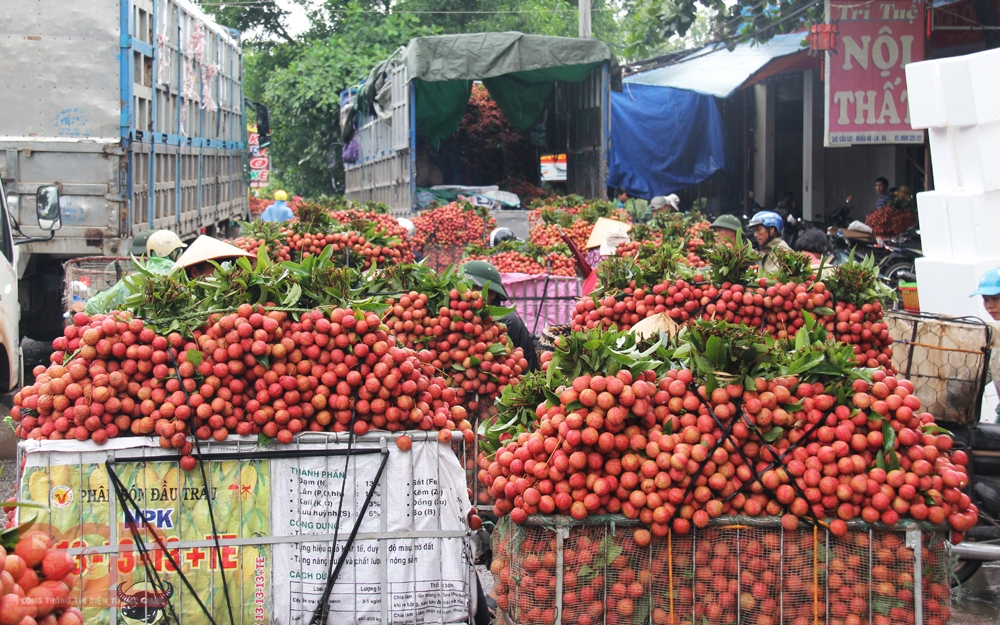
[[195, 259]]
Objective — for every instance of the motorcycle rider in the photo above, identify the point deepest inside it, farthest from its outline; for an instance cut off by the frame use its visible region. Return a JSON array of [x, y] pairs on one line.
[[481, 272], [766, 227], [157, 249]]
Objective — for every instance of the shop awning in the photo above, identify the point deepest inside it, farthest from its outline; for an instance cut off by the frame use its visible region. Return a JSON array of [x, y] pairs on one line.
[[718, 72]]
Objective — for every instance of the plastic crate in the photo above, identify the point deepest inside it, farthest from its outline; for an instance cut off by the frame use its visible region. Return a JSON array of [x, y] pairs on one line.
[[908, 291]]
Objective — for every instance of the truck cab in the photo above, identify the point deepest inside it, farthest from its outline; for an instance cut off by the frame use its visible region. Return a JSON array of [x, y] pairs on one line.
[[10, 308]]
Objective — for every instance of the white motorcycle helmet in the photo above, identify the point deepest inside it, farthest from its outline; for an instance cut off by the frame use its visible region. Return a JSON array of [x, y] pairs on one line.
[[406, 223], [164, 243]]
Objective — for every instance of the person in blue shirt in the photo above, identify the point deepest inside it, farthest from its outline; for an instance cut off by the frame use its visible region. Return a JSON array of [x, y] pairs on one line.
[[278, 211], [882, 193]]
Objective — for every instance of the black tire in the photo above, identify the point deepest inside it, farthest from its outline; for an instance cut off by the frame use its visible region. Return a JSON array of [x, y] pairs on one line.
[[963, 571]]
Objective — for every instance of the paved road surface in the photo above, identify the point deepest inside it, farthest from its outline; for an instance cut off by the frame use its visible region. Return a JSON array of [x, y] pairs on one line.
[[977, 602]]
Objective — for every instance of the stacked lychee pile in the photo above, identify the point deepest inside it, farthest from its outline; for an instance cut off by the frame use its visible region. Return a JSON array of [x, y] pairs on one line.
[[667, 452], [714, 423], [36, 582], [850, 308], [456, 334], [255, 371]]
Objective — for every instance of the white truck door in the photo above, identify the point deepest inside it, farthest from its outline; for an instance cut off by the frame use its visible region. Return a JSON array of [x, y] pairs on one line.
[[10, 308]]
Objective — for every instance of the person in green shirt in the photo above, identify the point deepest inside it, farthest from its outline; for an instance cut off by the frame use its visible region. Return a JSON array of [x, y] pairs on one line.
[[158, 250], [766, 227]]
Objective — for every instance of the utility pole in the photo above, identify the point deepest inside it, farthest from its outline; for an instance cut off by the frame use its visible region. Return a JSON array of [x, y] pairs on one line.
[[584, 8]]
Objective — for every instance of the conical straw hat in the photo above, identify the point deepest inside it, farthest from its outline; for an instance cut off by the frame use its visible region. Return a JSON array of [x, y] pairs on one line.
[[207, 248], [603, 228]]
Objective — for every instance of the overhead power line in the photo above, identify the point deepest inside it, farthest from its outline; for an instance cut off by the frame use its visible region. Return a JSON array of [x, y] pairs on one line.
[[269, 3]]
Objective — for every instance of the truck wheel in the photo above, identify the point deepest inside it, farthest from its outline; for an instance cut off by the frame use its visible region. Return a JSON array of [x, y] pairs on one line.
[[963, 571], [34, 353]]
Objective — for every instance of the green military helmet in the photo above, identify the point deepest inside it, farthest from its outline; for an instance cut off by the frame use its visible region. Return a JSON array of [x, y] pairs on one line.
[[481, 272], [139, 242], [729, 222]]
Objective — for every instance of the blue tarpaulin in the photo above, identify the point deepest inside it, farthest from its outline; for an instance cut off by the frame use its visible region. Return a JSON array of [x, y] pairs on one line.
[[663, 140]]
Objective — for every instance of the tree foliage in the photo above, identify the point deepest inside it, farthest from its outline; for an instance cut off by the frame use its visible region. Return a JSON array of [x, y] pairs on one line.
[[651, 24], [300, 76], [304, 96]]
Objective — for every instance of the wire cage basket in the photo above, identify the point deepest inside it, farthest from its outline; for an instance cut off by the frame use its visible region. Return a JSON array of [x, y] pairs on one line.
[[946, 359], [737, 570], [89, 275]]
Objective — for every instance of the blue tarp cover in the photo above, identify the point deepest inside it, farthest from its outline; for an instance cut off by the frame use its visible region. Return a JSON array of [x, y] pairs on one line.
[[663, 140]]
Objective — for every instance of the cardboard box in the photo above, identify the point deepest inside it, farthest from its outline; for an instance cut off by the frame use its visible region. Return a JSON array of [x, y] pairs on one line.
[[988, 145], [969, 157], [961, 226], [986, 224]]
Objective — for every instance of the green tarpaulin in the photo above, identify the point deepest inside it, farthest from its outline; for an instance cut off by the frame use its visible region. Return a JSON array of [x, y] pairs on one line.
[[518, 70]]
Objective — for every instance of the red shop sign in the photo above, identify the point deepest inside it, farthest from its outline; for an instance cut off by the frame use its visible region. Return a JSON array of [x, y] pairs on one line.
[[866, 96]]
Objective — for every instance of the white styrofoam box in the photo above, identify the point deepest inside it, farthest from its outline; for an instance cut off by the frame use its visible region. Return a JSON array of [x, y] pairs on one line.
[[990, 403], [923, 87], [988, 141], [970, 158], [985, 86], [956, 91], [961, 226], [944, 286], [935, 233], [986, 224], [944, 158]]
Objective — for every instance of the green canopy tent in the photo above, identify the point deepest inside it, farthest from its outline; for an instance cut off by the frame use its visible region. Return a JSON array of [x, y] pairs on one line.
[[519, 71]]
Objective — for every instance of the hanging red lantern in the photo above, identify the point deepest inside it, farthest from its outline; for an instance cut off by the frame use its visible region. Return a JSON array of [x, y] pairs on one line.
[[823, 37]]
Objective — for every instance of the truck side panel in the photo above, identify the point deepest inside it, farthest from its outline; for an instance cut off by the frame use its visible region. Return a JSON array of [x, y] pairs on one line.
[[61, 71], [111, 87], [212, 187], [63, 120], [188, 121], [384, 170]]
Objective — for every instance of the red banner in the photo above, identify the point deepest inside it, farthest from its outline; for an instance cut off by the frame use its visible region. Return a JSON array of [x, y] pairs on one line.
[[865, 81]]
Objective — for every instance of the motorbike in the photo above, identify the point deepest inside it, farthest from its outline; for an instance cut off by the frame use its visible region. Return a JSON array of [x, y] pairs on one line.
[[981, 442], [898, 265]]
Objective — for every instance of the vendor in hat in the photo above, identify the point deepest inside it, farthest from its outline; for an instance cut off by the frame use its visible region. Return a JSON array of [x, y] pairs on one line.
[[726, 228], [155, 249], [197, 259], [989, 289], [480, 273], [665, 203]]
